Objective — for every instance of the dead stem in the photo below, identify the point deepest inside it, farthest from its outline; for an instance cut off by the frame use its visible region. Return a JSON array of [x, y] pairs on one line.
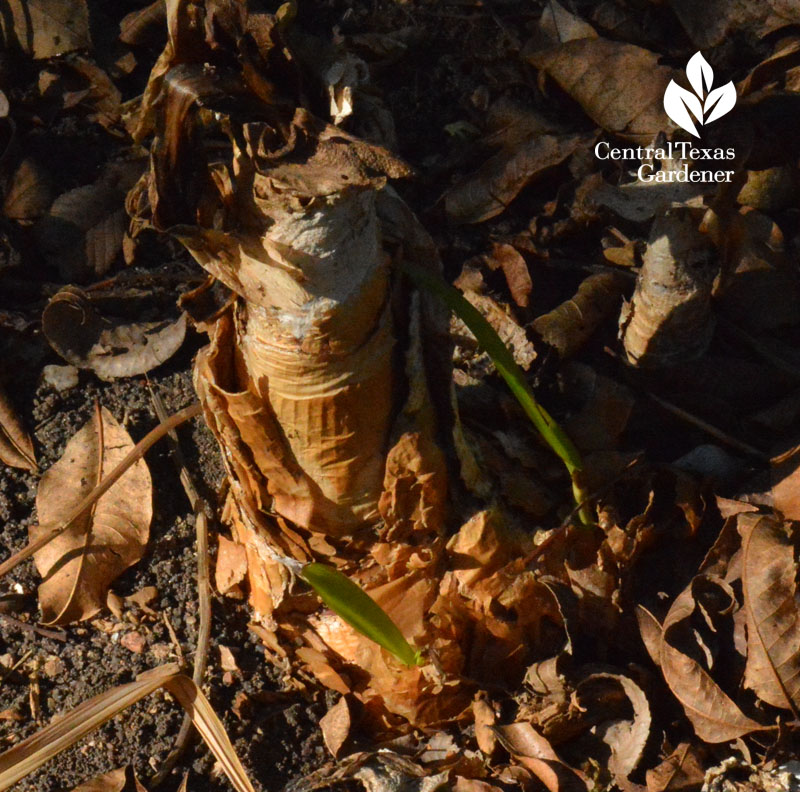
[[200, 509]]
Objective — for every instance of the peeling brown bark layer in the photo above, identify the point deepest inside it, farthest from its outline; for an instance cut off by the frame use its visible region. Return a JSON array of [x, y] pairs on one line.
[[327, 380]]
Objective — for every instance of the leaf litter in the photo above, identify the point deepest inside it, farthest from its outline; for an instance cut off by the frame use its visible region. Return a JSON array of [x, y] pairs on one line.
[[520, 596]]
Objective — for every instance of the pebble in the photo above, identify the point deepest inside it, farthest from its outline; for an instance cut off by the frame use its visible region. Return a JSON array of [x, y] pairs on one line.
[[61, 378]]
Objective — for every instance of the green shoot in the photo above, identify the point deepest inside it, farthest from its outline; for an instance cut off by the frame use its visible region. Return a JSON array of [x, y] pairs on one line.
[[359, 610], [508, 369]]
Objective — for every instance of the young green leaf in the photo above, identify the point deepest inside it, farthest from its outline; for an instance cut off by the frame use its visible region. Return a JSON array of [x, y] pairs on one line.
[[508, 369], [359, 610]]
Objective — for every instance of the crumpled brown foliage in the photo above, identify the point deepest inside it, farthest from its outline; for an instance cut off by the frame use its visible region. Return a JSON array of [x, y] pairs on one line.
[[79, 565]]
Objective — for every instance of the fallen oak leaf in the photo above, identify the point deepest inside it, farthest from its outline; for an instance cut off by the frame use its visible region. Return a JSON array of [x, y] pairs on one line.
[[772, 611], [336, 724], [16, 448], [536, 754], [44, 28], [489, 190], [626, 736], [79, 565], [715, 716], [619, 86], [681, 771]]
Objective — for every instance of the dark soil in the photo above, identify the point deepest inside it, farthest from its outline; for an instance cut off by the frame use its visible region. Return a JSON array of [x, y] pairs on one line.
[[277, 741]]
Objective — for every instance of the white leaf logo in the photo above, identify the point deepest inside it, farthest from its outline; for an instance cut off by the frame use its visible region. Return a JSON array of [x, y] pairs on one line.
[[704, 104]]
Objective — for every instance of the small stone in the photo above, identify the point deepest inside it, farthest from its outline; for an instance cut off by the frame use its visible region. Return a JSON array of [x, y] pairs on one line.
[[60, 378], [53, 666], [134, 641]]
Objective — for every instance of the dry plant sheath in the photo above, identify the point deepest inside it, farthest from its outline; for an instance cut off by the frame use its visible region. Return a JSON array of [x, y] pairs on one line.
[[669, 318], [327, 381]]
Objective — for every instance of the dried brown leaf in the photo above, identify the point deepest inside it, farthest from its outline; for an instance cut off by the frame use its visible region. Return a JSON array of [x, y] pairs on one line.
[[110, 348], [619, 86], [626, 735], [606, 407], [336, 724], [758, 288], [144, 26], [473, 785], [121, 780], [79, 565], [83, 232], [785, 476], [570, 325], [650, 631], [772, 610], [30, 194], [535, 753], [44, 28], [515, 268], [485, 719], [714, 715], [16, 448], [681, 771], [488, 191], [708, 24], [231, 568]]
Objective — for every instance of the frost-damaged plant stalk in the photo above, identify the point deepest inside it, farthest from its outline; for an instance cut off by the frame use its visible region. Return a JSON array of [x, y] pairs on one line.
[[327, 383]]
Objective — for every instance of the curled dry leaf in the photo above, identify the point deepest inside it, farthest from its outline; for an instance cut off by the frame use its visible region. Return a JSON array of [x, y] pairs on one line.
[[45, 28], [535, 753], [681, 771], [488, 191], [16, 448], [79, 565], [619, 86], [614, 695], [772, 610], [121, 780], [515, 268], [110, 348], [569, 326], [669, 319], [714, 715], [499, 317]]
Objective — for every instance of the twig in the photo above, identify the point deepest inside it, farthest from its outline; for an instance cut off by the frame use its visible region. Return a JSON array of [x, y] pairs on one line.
[[718, 434], [136, 453], [56, 635], [200, 509]]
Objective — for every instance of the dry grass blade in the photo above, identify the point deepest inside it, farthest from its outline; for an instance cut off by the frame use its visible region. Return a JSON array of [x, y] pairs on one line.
[[138, 451], [16, 448], [23, 759], [772, 611]]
